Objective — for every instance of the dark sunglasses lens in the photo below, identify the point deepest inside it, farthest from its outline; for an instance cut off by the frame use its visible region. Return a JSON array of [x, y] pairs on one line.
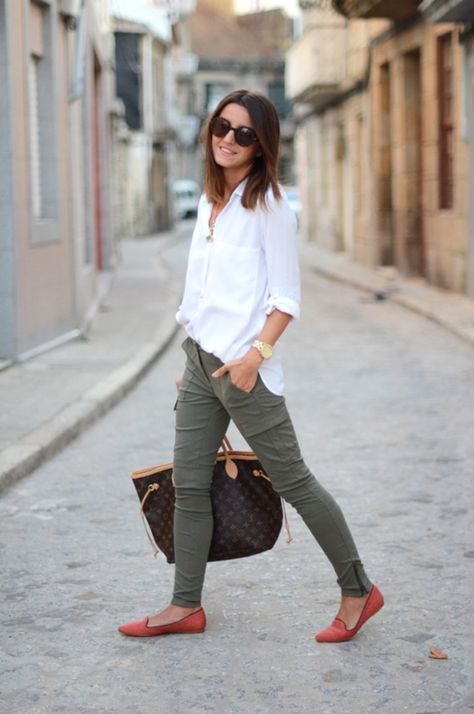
[[245, 136], [220, 127]]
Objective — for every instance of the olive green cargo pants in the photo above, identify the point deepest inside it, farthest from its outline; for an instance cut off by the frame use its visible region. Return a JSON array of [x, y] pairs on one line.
[[204, 409]]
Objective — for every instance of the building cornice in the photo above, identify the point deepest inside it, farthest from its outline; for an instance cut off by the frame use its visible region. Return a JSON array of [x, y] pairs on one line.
[[448, 10], [367, 9]]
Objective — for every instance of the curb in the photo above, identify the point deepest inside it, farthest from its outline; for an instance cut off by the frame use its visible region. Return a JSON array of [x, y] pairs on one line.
[[441, 314], [23, 457]]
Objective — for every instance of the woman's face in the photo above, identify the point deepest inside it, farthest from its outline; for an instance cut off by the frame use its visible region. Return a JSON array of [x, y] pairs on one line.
[[226, 151]]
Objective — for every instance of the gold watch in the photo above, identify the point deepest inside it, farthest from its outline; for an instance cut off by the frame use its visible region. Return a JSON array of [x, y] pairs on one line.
[[264, 348]]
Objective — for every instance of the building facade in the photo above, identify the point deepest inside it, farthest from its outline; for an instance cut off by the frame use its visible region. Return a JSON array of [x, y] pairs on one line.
[[55, 219], [87, 148], [383, 158], [233, 52], [461, 12], [326, 81], [146, 117]]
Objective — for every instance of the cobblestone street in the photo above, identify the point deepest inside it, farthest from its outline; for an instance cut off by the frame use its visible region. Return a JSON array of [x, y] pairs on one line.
[[382, 400]]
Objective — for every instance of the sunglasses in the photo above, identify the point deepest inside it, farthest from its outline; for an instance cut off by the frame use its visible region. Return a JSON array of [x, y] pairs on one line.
[[244, 135]]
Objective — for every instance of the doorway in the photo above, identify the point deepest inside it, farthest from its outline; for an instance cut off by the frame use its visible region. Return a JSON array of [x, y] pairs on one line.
[[96, 166], [385, 201], [412, 254], [469, 50]]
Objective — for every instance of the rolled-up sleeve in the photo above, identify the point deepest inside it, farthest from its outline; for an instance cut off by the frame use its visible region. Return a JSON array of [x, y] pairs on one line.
[[281, 256]]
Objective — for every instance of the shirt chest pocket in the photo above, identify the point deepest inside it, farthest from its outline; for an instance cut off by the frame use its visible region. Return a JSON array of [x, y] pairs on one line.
[[232, 276]]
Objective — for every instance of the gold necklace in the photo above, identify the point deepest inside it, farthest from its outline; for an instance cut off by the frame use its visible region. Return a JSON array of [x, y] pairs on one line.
[[212, 223], [210, 235]]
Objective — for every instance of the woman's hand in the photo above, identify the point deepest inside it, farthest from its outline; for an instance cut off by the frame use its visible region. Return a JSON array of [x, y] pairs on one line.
[[179, 381], [244, 371]]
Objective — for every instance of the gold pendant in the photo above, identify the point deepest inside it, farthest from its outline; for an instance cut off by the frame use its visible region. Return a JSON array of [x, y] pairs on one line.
[[210, 236]]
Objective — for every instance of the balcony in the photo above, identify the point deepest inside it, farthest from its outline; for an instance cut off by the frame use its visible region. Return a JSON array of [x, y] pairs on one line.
[[396, 10], [315, 65], [448, 10]]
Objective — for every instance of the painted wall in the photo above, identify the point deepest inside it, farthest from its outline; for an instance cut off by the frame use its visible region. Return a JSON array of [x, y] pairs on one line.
[[57, 232]]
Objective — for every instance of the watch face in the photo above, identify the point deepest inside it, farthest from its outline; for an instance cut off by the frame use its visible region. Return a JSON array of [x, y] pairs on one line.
[[266, 351]]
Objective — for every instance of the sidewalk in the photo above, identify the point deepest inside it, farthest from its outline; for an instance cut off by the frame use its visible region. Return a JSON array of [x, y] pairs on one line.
[[49, 400], [453, 311]]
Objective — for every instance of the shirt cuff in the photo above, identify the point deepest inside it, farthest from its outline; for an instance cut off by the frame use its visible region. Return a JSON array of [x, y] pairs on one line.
[[284, 304]]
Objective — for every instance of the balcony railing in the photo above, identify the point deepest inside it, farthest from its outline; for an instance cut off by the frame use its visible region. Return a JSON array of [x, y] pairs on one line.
[[397, 10], [315, 65]]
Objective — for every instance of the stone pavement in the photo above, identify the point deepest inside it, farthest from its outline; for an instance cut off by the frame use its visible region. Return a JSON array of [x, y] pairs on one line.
[[48, 400], [382, 403]]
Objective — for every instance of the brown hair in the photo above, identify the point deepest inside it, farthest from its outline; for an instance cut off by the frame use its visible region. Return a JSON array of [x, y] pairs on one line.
[[263, 172]]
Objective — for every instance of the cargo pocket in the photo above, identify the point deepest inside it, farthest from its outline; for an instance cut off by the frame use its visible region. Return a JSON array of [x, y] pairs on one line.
[[189, 371], [255, 411]]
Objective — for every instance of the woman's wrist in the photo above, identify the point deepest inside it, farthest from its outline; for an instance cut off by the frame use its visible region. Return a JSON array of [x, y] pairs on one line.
[[254, 356]]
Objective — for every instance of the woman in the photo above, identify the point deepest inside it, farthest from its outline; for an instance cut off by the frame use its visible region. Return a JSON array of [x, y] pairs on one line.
[[241, 292]]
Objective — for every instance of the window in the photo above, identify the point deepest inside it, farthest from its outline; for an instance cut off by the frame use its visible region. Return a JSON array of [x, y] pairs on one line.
[[214, 94], [445, 121], [359, 167], [325, 163], [129, 76], [42, 122], [35, 158], [276, 94]]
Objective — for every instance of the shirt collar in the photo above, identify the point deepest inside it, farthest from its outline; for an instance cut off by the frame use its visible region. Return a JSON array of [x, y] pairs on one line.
[[238, 190]]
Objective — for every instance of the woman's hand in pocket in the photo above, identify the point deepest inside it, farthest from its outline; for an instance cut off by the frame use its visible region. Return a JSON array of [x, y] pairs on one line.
[[243, 371]]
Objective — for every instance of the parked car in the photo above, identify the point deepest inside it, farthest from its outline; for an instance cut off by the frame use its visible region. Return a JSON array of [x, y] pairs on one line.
[[293, 196], [186, 198]]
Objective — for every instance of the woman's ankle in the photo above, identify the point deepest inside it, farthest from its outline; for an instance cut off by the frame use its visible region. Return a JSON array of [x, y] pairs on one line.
[[186, 609]]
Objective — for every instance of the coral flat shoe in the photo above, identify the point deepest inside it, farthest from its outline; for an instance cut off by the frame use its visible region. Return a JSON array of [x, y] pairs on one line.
[[195, 622], [338, 632]]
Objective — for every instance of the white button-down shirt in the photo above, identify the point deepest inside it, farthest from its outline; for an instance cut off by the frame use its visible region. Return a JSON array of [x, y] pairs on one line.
[[236, 280]]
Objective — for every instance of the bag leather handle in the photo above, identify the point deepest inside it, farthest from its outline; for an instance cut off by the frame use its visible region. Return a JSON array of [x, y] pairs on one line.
[[230, 466], [226, 446]]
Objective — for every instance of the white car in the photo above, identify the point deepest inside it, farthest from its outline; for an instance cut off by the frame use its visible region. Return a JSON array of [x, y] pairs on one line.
[[186, 198]]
